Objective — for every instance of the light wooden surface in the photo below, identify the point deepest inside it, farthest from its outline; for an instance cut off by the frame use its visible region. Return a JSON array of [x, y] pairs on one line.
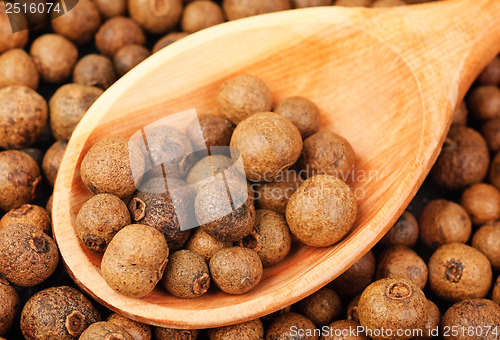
[[388, 80]]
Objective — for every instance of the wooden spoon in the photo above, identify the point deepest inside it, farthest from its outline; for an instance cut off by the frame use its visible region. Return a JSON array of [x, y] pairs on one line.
[[388, 80]]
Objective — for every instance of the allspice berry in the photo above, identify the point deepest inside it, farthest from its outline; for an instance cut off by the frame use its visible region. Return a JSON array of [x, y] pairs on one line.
[[67, 107], [23, 116], [168, 39], [249, 330], [310, 3], [484, 102], [442, 222], [491, 73], [99, 219], [28, 214], [459, 272], [94, 70], [205, 245], [494, 173], [113, 166], [343, 330], [20, 179], [111, 8], [270, 237], [274, 195], [79, 24], [158, 16], [57, 313], [17, 68], [27, 255], [237, 9], [117, 32], [9, 39], [328, 153], [433, 321], [54, 57], [482, 202], [163, 333], [463, 160], [138, 330], [210, 168], [303, 113], [10, 305], [402, 262], [393, 304], [353, 3], [128, 57], [201, 14], [242, 96], [472, 314], [287, 325], [355, 279], [321, 307], [388, 3], [106, 331], [186, 275], [460, 115], [52, 160], [236, 270], [268, 144], [403, 233], [491, 133], [487, 240], [322, 211], [352, 309], [135, 260], [216, 131], [495, 295]]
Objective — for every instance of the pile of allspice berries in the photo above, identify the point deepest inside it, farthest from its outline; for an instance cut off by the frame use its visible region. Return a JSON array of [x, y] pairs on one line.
[[436, 271]]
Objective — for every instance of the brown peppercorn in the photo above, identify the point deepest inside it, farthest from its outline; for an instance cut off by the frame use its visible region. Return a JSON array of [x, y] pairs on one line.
[[343, 330], [17, 68], [57, 313], [484, 102], [268, 144], [201, 14], [491, 133], [353, 3], [106, 331], [270, 237], [128, 57], [52, 160], [236, 270], [112, 166], [355, 279], [111, 8], [54, 57], [458, 272], [35, 153], [250, 330], [433, 321], [403, 233], [216, 131], [138, 330], [487, 240], [117, 32], [352, 308], [170, 212], [10, 305], [475, 315], [283, 328], [322, 211], [460, 115], [303, 113], [186, 275], [28, 214], [163, 333], [310, 3], [242, 96], [495, 295], [463, 161], [99, 219], [168, 39], [19, 179], [134, 260], [205, 245], [79, 24], [491, 73], [402, 262], [322, 307], [158, 16], [208, 167], [393, 304], [23, 116], [328, 153], [442, 222], [9, 39], [274, 195], [94, 70], [482, 202], [237, 9], [67, 107], [388, 3], [216, 214]]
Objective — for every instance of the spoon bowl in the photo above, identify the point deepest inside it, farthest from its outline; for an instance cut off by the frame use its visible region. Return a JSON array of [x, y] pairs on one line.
[[388, 80]]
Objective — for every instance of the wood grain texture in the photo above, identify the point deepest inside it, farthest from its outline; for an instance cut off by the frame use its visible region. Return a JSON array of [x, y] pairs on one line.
[[388, 80]]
